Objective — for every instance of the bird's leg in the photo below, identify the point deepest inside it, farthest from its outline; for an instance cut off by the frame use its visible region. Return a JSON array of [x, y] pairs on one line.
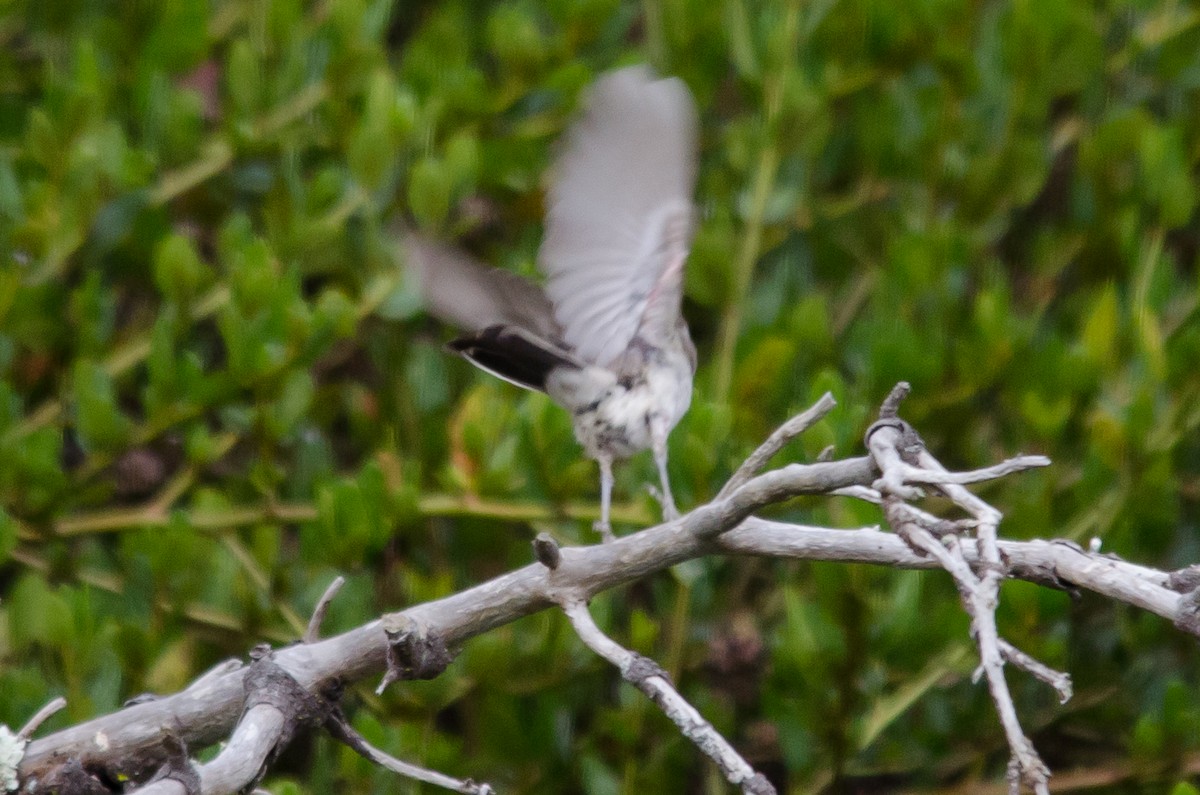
[[606, 483], [659, 441]]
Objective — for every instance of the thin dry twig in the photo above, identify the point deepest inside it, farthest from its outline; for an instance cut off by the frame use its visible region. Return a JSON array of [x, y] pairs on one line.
[[342, 731], [1058, 680], [131, 741], [41, 716], [647, 676], [864, 493], [313, 633], [941, 477], [776, 441], [891, 442]]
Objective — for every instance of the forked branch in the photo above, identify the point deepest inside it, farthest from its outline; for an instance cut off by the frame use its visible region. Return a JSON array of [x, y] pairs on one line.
[[227, 703]]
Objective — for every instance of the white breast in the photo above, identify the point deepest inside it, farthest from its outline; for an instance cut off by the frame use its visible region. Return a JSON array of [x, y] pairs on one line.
[[618, 425]]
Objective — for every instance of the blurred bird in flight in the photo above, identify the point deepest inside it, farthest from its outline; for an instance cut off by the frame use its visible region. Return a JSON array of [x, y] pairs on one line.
[[604, 337]]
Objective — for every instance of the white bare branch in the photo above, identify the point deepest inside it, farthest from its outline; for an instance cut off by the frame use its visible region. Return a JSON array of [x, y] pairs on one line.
[[776, 441], [318, 617], [654, 682], [51, 708], [143, 737], [341, 729], [240, 764], [979, 592]]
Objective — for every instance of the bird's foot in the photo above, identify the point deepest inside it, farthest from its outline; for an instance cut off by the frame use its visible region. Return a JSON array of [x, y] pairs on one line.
[[605, 531], [667, 502]]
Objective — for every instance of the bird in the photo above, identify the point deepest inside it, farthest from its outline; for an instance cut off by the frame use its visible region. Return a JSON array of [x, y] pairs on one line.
[[604, 336]]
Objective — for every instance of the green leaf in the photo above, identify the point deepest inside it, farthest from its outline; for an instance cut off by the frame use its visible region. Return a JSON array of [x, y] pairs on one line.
[[178, 271], [100, 422], [295, 398], [1101, 328], [243, 76], [374, 143]]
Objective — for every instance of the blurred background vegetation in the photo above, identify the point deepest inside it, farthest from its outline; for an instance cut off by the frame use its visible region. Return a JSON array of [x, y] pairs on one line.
[[217, 392]]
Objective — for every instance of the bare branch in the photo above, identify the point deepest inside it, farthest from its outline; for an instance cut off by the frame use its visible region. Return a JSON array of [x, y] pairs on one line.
[[891, 404], [776, 441], [313, 633], [1056, 679], [341, 730], [41, 716], [892, 441], [864, 493], [131, 739], [133, 743], [648, 677], [1053, 563], [942, 477], [239, 765]]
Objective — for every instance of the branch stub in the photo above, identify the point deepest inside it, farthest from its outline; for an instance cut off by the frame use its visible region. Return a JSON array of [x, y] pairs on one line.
[[412, 652], [547, 551]]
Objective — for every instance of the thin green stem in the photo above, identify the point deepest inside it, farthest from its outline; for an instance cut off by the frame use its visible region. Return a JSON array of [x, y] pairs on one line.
[[765, 173], [743, 270], [216, 157], [195, 612], [444, 505]]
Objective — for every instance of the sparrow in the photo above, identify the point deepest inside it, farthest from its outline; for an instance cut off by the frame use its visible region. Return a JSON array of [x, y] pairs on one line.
[[604, 337]]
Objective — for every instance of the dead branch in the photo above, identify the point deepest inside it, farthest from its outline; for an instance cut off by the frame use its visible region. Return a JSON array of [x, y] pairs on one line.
[[147, 741]]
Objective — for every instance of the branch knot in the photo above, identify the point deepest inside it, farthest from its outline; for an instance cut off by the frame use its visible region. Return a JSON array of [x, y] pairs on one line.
[[641, 668], [266, 682], [178, 767], [547, 551], [1185, 579], [412, 651], [909, 444], [1188, 618]]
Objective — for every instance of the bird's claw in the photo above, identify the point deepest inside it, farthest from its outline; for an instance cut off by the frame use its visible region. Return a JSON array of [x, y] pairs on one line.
[[670, 512], [604, 529]]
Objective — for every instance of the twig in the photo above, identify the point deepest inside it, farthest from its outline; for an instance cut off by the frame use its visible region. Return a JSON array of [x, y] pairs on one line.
[[1058, 680], [864, 493], [891, 441], [40, 717], [313, 633], [890, 408], [924, 541], [942, 477], [202, 713], [131, 741], [647, 676], [341, 730], [776, 441]]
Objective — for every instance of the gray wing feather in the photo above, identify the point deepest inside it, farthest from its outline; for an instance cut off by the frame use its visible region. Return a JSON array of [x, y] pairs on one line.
[[461, 291], [619, 210]]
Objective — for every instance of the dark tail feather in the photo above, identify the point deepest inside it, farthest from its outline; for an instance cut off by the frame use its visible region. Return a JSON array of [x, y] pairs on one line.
[[514, 354]]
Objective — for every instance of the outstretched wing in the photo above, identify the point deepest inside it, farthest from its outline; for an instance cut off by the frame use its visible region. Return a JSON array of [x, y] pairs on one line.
[[619, 212], [457, 289]]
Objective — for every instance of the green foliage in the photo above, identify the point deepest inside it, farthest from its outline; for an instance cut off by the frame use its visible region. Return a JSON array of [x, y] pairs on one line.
[[217, 392]]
